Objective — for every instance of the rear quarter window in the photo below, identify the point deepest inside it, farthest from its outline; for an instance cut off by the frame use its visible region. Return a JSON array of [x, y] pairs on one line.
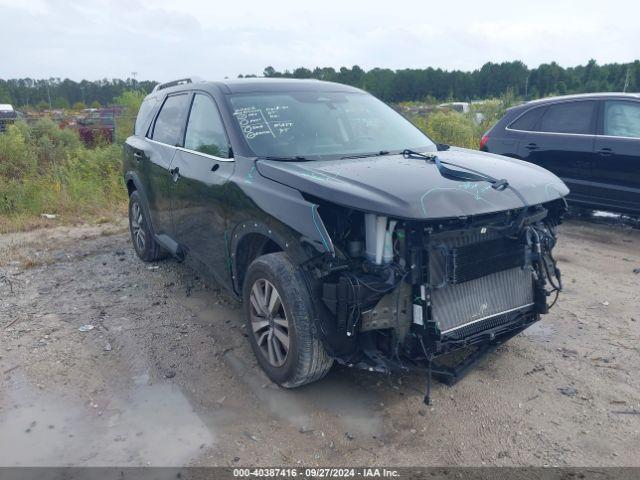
[[144, 116], [528, 120]]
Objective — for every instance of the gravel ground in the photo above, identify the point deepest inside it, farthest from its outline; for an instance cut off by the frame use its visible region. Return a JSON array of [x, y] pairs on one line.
[[166, 375]]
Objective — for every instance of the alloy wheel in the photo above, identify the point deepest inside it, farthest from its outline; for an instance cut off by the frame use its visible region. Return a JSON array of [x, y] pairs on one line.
[[269, 322], [137, 226]]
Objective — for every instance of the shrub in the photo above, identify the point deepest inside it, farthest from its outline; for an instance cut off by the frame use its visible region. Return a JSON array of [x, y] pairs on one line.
[[450, 127], [46, 169]]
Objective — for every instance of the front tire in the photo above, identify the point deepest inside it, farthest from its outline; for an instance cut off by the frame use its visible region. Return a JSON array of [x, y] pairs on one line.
[[144, 243], [279, 320]]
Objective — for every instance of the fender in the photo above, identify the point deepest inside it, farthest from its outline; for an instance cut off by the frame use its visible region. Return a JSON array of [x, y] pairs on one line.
[[284, 237], [286, 205]]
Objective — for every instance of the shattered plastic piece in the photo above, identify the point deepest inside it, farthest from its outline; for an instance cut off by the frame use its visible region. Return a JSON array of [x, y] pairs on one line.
[[49, 216], [86, 328]]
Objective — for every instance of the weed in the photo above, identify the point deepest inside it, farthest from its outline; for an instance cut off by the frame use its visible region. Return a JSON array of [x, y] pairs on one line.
[[44, 169]]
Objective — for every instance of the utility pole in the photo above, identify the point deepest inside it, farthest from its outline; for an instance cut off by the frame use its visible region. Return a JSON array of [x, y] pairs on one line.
[[626, 80], [133, 74], [48, 93]]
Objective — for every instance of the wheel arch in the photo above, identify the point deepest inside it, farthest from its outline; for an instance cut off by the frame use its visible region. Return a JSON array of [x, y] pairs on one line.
[[251, 239], [133, 183]]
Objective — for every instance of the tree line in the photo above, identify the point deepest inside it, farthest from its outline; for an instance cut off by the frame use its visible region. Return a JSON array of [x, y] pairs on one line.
[[58, 93], [491, 80]]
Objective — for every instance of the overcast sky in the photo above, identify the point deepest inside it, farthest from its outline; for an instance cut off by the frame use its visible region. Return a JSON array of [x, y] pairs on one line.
[[163, 40]]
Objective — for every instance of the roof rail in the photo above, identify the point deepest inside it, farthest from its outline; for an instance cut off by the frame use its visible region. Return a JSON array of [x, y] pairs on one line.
[[173, 83]]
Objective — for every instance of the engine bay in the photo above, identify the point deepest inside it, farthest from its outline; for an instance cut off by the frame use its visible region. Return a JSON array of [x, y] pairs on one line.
[[407, 292]]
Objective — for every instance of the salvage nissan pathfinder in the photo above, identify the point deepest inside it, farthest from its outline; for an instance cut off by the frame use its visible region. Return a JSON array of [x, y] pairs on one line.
[[348, 234]]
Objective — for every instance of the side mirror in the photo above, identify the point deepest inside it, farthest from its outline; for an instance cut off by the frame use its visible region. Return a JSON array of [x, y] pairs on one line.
[[442, 147]]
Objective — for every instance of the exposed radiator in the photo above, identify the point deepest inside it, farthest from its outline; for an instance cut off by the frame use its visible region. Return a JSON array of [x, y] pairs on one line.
[[456, 301]]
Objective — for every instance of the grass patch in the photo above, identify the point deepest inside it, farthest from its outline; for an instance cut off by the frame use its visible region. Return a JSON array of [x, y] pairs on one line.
[[44, 169]]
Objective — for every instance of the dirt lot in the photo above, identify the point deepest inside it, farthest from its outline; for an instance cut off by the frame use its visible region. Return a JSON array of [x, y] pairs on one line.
[[166, 376]]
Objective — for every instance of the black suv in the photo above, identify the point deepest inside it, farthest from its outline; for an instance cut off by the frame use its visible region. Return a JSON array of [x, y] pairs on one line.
[[591, 141], [346, 232]]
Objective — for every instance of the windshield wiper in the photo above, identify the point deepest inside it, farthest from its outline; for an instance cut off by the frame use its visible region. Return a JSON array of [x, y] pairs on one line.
[[294, 158], [365, 155], [470, 175]]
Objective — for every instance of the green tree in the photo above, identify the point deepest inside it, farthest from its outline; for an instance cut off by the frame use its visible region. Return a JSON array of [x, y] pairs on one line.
[[131, 101], [60, 103], [5, 96]]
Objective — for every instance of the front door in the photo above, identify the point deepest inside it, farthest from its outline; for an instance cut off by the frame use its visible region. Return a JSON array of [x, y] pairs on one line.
[[199, 193], [617, 159]]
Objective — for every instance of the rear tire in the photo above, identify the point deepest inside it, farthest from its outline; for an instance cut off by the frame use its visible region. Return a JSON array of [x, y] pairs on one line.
[[280, 323], [144, 243]]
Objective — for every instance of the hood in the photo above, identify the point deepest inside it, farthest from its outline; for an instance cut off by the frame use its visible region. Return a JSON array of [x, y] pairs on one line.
[[413, 188]]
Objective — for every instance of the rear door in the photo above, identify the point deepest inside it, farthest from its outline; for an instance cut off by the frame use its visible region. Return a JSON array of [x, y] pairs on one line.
[[617, 160], [163, 137], [201, 169], [563, 142]]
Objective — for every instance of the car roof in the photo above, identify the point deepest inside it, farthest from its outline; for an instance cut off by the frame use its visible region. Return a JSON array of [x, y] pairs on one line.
[[577, 96], [256, 85]]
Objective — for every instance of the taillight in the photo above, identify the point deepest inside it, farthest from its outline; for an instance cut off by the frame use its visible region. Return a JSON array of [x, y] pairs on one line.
[[483, 141]]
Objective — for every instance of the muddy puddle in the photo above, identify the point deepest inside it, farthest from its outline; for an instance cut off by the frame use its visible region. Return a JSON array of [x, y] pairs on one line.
[[147, 425], [350, 397]]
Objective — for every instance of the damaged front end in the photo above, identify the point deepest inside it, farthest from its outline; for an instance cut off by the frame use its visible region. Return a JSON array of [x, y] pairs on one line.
[[400, 295]]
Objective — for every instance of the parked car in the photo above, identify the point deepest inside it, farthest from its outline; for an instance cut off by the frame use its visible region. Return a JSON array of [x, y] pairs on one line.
[[8, 116], [591, 141], [345, 232], [97, 126]]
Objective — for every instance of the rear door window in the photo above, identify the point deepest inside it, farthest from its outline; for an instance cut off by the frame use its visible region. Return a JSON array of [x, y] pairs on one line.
[[170, 120], [569, 117], [528, 120], [622, 119], [205, 131]]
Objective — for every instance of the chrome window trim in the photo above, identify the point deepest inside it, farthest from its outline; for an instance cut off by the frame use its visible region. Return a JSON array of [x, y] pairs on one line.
[[201, 154], [573, 134], [554, 133], [618, 136], [206, 155]]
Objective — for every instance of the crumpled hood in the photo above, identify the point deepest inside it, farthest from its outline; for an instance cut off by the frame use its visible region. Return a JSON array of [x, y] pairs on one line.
[[414, 188]]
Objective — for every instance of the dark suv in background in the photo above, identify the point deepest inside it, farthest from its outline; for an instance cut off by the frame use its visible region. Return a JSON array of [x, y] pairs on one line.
[[591, 141]]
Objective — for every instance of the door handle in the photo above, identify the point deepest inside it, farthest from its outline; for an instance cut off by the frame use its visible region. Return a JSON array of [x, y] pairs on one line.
[[175, 173], [605, 151], [138, 156], [531, 146]]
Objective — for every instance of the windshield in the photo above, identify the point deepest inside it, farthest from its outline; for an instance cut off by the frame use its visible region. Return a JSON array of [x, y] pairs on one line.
[[323, 125]]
